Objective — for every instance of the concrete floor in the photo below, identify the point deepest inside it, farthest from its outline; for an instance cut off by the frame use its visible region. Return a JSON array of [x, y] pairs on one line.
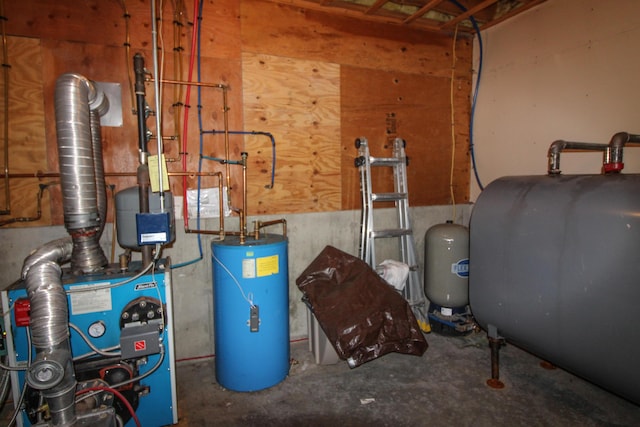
[[444, 387]]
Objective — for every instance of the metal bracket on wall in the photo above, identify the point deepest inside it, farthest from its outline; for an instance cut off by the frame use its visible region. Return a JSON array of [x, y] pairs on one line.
[[113, 117]]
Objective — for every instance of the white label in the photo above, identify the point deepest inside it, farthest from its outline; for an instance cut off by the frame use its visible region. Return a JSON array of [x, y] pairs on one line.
[[446, 311], [153, 237], [90, 301], [461, 268], [143, 286], [248, 268]]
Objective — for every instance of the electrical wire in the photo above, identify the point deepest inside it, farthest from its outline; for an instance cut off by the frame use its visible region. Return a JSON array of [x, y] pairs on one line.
[[159, 295], [127, 53], [4, 387], [474, 23], [248, 298], [146, 374], [12, 368], [122, 282], [5, 74], [131, 380], [178, 25], [453, 124], [95, 349], [157, 85], [185, 121], [18, 404], [93, 353], [197, 30]]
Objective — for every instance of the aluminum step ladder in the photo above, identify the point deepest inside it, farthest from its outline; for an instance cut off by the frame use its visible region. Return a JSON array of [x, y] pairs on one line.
[[413, 290]]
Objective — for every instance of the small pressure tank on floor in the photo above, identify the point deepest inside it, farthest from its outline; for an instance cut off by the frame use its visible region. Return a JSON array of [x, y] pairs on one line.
[[446, 276], [446, 269], [251, 312]]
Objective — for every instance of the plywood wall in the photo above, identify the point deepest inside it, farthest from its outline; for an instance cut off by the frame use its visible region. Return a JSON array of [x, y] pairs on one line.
[[383, 70], [27, 151], [299, 102], [312, 81]]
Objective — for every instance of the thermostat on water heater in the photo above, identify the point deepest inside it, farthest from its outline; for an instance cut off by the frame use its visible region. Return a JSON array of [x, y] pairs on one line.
[[254, 318]]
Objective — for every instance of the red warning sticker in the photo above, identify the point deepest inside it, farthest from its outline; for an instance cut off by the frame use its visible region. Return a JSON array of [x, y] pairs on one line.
[[140, 345]]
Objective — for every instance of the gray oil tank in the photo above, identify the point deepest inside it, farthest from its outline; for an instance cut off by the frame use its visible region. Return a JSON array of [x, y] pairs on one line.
[[446, 265], [555, 267]]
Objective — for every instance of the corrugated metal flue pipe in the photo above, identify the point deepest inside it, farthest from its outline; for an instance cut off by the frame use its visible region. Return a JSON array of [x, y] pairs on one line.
[[52, 370], [78, 105]]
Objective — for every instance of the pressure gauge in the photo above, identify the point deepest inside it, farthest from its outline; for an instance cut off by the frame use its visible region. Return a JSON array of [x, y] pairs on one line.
[[97, 329]]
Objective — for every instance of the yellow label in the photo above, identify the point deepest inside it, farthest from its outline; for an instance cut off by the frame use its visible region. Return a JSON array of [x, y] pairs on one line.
[[154, 175], [266, 266]]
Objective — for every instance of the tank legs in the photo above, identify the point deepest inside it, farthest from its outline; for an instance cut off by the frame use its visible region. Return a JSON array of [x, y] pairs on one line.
[[495, 341]]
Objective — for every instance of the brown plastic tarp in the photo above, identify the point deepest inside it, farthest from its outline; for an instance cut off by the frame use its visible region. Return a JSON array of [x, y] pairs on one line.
[[361, 314]]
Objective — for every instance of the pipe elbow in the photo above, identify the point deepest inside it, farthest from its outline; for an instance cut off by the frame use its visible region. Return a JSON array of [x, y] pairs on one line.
[[619, 140], [82, 86], [614, 158], [553, 155], [58, 251], [557, 146]]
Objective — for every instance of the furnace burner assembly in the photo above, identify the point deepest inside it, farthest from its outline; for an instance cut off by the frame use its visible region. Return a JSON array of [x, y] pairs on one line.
[[554, 267]]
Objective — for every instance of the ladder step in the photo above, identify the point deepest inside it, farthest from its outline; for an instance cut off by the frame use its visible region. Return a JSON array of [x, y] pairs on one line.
[[388, 197], [385, 161], [394, 232]]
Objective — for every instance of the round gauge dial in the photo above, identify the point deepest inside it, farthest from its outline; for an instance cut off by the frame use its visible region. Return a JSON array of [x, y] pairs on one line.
[[97, 329]]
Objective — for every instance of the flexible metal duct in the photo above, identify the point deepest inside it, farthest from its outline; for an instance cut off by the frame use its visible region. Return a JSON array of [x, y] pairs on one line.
[[78, 105], [52, 370]]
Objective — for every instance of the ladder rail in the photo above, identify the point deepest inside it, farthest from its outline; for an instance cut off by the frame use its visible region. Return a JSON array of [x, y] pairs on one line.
[[413, 290]]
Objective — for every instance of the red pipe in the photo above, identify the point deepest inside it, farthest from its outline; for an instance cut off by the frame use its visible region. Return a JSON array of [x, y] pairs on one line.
[[194, 36]]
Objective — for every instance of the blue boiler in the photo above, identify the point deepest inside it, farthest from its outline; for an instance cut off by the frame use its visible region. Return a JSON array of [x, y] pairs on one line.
[[118, 313], [251, 312]]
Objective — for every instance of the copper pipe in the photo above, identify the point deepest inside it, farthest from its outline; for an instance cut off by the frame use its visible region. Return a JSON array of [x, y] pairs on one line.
[[243, 224], [242, 233], [5, 71], [225, 108], [257, 225], [177, 125], [220, 231], [225, 111], [181, 82], [41, 175], [38, 215]]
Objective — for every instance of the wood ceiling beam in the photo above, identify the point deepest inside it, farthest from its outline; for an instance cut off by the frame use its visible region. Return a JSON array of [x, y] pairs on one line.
[[511, 13], [374, 7], [467, 14], [424, 9]]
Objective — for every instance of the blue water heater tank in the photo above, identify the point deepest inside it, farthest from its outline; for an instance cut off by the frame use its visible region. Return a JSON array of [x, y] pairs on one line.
[[251, 312]]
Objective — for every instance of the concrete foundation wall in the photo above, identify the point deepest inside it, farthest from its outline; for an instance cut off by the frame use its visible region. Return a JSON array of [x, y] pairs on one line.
[[308, 234]]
